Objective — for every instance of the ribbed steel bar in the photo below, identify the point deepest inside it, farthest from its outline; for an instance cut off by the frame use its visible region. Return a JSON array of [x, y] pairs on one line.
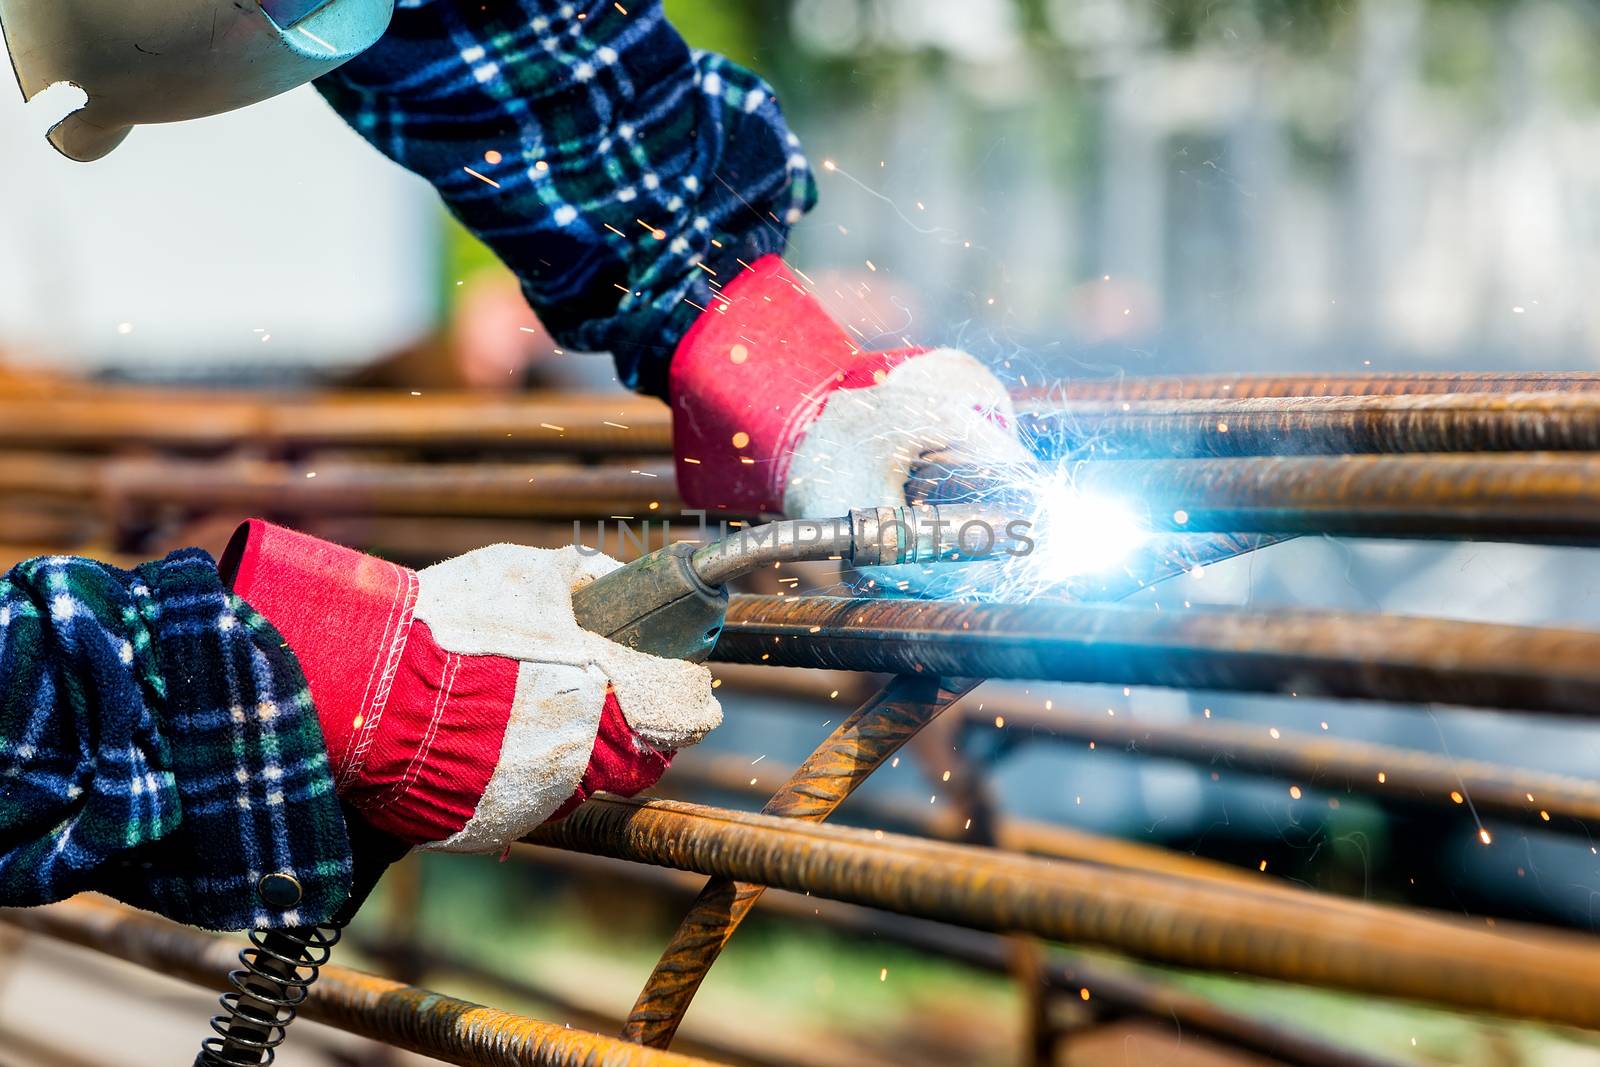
[[1368, 657], [1281, 426], [1280, 385], [731, 774], [209, 421], [548, 490], [1367, 949], [344, 487], [857, 747], [741, 1040], [1387, 773], [1541, 497], [455, 1031], [1122, 990], [1022, 836]]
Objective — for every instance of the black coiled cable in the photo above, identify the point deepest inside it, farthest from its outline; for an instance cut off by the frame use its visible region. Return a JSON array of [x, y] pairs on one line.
[[281, 965], [278, 969]]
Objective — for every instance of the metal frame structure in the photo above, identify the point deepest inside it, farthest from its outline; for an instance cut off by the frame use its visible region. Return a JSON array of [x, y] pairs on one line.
[[1227, 465]]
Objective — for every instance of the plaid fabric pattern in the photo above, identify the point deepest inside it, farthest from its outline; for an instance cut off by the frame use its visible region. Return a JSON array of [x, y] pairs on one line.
[[158, 744], [618, 173]]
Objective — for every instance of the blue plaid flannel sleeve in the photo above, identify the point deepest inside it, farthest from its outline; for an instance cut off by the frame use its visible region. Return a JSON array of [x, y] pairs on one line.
[[158, 744], [619, 173]]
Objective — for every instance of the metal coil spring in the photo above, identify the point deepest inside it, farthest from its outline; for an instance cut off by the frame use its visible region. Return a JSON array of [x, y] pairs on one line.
[[279, 968]]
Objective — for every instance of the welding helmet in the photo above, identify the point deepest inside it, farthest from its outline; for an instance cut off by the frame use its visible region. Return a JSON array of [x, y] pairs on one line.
[[168, 60]]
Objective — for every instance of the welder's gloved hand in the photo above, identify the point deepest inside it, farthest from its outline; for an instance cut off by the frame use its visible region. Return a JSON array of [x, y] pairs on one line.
[[462, 705], [776, 409]]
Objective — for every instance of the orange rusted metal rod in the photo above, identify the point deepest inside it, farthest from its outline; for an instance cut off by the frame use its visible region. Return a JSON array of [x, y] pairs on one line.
[[731, 774], [1362, 948], [1272, 426], [343, 487], [455, 1031], [1367, 657], [856, 748], [207, 421], [1537, 496], [1122, 989], [549, 490], [1284, 385], [1387, 773]]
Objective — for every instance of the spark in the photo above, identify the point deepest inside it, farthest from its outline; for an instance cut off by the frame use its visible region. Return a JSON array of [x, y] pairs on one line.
[[1076, 531], [481, 177]]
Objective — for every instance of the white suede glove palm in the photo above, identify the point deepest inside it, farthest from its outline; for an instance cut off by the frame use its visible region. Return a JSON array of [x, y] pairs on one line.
[[462, 705]]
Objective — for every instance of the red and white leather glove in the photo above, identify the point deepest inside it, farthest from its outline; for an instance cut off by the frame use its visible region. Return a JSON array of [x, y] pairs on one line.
[[462, 705], [776, 409]]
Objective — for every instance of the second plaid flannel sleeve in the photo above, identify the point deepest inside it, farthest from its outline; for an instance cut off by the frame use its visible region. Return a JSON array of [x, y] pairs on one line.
[[620, 174], [158, 744]]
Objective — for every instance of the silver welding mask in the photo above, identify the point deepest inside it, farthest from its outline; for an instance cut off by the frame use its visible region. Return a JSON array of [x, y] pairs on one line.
[[144, 61]]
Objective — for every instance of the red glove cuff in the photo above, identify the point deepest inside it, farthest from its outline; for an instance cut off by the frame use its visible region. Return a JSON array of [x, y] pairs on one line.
[[747, 380], [413, 732]]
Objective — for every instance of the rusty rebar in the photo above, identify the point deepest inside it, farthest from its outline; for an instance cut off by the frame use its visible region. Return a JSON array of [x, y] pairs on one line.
[[345, 487], [1311, 384], [1023, 836], [857, 747], [1121, 989], [731, 774], [1540, 497], [1281, 426], [193, 420], [452, 1030], [1361, 948], [1367, 657], [1385, 772]]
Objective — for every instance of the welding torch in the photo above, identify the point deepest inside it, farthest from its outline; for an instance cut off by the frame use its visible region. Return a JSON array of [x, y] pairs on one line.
[[672, 602]]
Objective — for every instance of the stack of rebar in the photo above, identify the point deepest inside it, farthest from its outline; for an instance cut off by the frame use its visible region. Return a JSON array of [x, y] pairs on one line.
[[1222, 466]]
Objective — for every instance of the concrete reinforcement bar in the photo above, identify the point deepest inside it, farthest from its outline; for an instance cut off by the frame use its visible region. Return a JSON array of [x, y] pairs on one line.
[[1369, 657], [1387, 773], [334, 487], [1116, 988], [205, 420], [456, 1031], [1285, 385], [1540, 496], [1278, 426], [857, 746], [1367, 949]]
